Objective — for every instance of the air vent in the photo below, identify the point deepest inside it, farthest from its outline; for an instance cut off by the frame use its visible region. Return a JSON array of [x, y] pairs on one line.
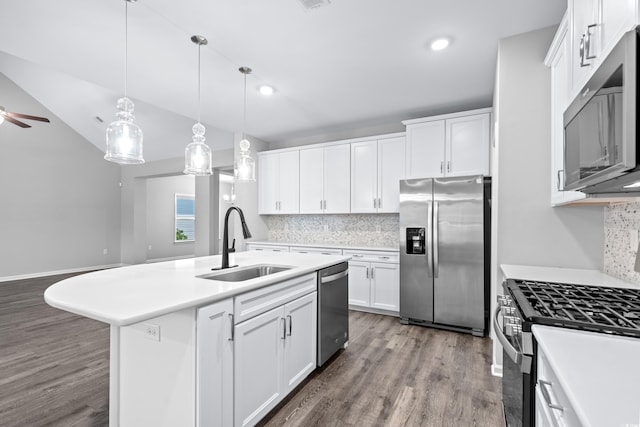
[[314, 4]]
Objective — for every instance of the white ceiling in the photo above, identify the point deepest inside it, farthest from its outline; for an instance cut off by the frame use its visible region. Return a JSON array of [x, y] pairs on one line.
[[350, 65]]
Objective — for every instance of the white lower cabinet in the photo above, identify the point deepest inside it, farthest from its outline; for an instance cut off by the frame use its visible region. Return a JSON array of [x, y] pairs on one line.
[[274, 352], [214, 405], [374, 281]]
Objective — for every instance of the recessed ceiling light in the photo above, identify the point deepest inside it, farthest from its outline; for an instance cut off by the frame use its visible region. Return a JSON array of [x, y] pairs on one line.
[[634, 185], [266, 90], [439, 44]]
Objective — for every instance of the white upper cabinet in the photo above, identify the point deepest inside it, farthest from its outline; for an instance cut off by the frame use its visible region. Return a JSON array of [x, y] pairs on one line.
[[377, 166], [279, 182], [449, 145], [595, 26], [467, 149], [324, 179], [559, 62], [425, 149]]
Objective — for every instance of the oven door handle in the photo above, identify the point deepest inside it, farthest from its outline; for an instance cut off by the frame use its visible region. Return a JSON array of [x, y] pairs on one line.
[[511, 351]]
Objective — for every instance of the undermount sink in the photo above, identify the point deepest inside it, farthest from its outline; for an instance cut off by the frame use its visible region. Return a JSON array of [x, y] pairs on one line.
[[245, 273]]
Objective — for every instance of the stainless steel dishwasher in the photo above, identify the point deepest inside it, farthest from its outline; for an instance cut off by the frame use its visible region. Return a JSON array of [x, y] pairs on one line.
[[333, 310]]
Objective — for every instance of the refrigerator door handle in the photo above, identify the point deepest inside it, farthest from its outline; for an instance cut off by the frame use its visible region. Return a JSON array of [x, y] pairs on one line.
[[436, 222], [428, 250]]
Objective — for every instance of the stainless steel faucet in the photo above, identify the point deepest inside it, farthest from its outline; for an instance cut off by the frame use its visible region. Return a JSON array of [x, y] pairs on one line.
[[225, 237]]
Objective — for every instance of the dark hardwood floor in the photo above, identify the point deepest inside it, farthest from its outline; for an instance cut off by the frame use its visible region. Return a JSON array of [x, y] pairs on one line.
[[54, 371]]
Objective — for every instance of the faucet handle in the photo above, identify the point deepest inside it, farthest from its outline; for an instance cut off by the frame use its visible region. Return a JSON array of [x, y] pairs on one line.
[[233, 246]]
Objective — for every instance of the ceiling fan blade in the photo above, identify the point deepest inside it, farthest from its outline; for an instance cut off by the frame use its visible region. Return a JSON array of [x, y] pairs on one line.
[[26, 116], [15, 122]]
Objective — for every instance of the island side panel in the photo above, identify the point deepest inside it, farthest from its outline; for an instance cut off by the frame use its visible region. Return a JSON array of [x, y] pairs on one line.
[[157, 371]]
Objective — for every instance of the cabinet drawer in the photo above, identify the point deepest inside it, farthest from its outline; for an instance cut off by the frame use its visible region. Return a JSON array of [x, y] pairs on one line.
[[267, 248], [264, 299], [552, 393], [315, 250], [373, 256]]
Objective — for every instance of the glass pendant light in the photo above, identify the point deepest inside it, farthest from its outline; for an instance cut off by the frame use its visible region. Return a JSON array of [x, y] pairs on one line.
[[245, 168], [197, 155], [124, 137]]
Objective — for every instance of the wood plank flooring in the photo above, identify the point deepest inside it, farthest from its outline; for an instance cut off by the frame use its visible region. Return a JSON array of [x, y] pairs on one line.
[[398, 375], [54, 371]]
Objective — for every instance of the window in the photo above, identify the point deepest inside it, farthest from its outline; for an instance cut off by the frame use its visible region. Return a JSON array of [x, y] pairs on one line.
[[185, 217]]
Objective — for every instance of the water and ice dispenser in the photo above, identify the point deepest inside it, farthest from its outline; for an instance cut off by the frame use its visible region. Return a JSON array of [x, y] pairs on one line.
[[415, 241]]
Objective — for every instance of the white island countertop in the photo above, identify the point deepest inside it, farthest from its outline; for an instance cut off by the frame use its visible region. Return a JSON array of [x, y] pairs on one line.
[[599, 373], [126, 295]]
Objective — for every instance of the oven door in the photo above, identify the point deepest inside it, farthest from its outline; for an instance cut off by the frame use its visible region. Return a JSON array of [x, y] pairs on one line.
[[517, 377]]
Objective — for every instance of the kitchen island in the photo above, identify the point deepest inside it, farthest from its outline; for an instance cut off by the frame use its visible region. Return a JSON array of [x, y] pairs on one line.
[[190, 351]]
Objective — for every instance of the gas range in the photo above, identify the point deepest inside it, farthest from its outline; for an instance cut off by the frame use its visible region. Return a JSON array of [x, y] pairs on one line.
[[526, 303], [590, 308]]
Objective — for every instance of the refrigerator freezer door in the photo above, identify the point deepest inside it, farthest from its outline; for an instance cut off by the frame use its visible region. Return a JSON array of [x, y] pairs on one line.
[[416, 273], [458, 224]]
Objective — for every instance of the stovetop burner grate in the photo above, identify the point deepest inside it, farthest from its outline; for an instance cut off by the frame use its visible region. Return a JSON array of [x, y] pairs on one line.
[[611, 310]]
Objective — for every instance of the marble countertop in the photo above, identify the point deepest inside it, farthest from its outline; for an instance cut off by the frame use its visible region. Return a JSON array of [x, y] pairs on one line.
[[127, 295], [314, 245], [564, 275], [599, 373]]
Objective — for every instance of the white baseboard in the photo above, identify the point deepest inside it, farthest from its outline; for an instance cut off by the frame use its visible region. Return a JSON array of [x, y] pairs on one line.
[[496, 370], [53, 273]]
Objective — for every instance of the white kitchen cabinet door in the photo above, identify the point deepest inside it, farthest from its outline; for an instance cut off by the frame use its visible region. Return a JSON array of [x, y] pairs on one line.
[[467, 145], [325, 179], [337, 174], [385, 286], [269, 183], [425, 150], [214, 369], [359, 283], [559, 103], [289, 175], [301, 340], [364, 176], [391, 169], [584, 19], [259, 346], [312, 172]]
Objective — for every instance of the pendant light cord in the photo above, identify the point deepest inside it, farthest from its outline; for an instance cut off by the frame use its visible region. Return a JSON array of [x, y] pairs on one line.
[[126, 47], [244, 118], [199, 46]]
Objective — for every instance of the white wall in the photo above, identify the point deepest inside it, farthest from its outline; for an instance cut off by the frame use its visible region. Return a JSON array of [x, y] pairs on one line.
[[529, 231], [60, 200], [160, 220]]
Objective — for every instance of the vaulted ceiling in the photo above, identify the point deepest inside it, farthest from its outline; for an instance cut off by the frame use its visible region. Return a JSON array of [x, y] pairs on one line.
[[351, 64]]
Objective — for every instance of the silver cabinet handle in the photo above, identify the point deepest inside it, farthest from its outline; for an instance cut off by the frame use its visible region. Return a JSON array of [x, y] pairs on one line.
[[324, 204], [290, 323], [581, 52], [284, 328], [379, 202], [334, 277], [587, 44], [367, 270], [320, 204], [375, 203], [545, 393], [357, 256], [436, 220], [448, 166], [441, 167], [233, 327], [383, 257], [373, 269]]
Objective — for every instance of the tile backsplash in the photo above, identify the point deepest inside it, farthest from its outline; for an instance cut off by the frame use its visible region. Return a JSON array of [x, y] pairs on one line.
[[621, 226], [375, 230]]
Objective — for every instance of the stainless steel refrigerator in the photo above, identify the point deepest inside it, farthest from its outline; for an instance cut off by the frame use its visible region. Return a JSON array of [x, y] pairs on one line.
[[444, 252]]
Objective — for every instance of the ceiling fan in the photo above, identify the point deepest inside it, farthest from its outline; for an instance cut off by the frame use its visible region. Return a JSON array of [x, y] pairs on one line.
[[11, 118]]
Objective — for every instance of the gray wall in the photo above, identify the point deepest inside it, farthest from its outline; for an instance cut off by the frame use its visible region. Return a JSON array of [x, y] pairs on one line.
[[160, 220], [530, 231], [60, 204]]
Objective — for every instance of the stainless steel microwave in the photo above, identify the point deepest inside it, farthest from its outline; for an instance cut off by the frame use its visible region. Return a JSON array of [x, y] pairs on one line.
[[600, 144]]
